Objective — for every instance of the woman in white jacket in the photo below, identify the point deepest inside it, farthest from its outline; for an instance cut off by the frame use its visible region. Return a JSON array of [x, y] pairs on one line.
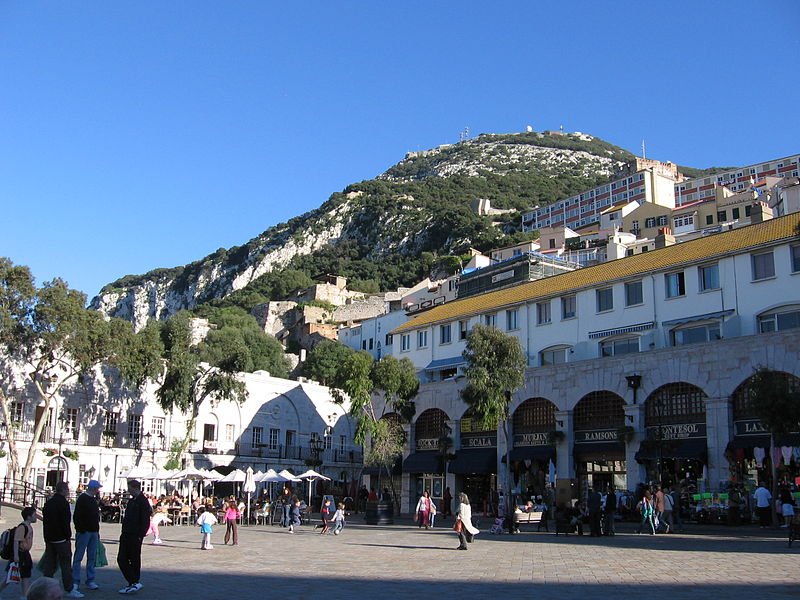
[[467, 530]]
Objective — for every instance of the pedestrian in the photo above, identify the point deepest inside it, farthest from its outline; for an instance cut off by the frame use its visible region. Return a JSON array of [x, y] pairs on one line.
[[294, 514], [21, 557], [610, 510], [447, 501], [646, 511], [57, 532], [677, 522], [206, 521], [158, 517], [659, 506], [463, 525], [135, 524], [667, 516], [45, 588], [763, 501], [338, 519], [286, 503], [594, 504], [325, 513], [423, 510], [363, 495], [232, 515], [787, 505], [432, 514], [86, 519]]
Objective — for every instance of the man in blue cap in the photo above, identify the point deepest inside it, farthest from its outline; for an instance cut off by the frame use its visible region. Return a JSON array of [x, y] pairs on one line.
[[87, 534]]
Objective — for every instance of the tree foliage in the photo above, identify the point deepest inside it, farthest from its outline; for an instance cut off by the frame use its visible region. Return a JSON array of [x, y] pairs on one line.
[[324, 360]]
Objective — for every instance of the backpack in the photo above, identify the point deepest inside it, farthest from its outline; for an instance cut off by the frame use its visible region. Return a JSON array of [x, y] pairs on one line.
[[7, 542]]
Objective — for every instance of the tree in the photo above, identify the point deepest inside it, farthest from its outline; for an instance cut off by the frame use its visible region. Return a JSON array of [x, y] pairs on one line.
[[775, 399], [49, 339], [324, 361], [364, 381], [495, 367]]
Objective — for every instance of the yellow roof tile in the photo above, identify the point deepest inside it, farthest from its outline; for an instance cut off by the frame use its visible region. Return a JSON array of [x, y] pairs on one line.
[[701, 249]]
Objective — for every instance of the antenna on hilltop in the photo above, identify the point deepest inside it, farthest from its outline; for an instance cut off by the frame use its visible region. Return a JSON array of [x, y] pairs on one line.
[[561, 128], [464, 135], [644, 154]]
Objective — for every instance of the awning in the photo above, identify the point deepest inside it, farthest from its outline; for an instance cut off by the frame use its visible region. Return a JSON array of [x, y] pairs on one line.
[[593, 335], [748, 441], [477, 460], [694, 448], [395, 469], [533, 453], [599, 451], [445, 363], [706, 317], [423, 462]]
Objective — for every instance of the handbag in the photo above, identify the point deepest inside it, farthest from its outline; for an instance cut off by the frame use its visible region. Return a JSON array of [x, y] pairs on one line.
[[457, 526], [12, 575], [101, 560]]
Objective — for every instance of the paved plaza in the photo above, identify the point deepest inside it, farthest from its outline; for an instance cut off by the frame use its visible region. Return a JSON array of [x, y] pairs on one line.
[[402, 561]]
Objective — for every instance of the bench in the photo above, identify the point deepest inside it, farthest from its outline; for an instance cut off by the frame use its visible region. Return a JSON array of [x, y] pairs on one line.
[[526, 518]]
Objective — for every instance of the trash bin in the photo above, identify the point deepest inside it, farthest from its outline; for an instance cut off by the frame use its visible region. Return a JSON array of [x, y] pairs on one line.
[[379, 513]]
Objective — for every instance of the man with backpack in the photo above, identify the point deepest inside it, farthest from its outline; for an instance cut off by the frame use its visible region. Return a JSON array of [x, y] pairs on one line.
[[16, 548], [57, 531]]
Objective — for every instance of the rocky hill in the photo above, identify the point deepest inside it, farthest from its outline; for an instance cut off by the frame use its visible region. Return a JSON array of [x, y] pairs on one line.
[[387, 232]]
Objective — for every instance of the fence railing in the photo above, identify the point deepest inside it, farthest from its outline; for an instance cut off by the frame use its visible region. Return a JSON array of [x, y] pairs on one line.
[[22, 493]]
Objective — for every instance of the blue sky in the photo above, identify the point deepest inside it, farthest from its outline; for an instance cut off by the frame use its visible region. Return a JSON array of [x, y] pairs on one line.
[[138, 135]]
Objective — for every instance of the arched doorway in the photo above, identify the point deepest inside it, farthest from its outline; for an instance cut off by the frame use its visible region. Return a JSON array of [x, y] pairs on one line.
[[533, 421], [675, 449], [57, 470], [475, 462], [427, 463], [598, 451]]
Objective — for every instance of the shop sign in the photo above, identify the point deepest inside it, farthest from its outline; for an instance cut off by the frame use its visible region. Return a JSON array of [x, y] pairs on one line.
[[428, 444], [749, 427], [531, 439], [479, 441], [598, 435], [682, 431]]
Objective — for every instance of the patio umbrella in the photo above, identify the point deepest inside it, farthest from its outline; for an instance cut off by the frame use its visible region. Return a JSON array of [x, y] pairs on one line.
[[311, 476], [287, 476], [235, 476], [248, 488]]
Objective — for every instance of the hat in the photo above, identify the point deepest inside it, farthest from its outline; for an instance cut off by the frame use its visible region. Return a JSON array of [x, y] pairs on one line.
[[94, 484]]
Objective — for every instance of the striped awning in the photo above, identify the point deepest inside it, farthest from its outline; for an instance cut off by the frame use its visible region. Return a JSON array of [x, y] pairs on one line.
[[620, 330]]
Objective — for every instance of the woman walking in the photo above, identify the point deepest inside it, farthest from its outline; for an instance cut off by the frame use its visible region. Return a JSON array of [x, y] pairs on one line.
[[423, 510], [647, 511], [463, 526], [231, 516]]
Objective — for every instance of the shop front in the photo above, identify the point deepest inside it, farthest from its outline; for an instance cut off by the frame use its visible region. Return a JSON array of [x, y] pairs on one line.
[[532, 458], [599, 450], [426, 465], [475, 467]]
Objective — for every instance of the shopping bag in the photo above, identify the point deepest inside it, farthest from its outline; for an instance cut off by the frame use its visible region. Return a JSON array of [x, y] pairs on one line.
[[102, 559], [12, 575]]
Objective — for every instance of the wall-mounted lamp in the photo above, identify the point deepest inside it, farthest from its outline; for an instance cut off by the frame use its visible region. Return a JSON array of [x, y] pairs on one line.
[[559, 422], [634, 382], [630, 418]]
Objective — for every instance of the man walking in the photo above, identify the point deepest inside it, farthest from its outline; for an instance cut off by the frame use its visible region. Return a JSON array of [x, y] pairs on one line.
[[87, 534], [57, 532], [763, 501], [135, 524], [610, 510], [594, 503]]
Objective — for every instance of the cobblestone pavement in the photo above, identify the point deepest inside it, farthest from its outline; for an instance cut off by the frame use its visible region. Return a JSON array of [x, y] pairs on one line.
[[402, 560]]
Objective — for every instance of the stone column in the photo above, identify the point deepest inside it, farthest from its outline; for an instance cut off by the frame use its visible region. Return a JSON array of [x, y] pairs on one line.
[[407, 492], [636, 472], [718, 427], [503, 448], [565, 461]]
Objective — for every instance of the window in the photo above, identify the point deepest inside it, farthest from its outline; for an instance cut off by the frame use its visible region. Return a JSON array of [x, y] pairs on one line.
[[342, 443], [553, 356], [363, 344], [674, 285], [568, 306], [490, 320], [650, 222], [444, 334], [274, 436], [112, 421], [786, 318], [328, 441], [134, 427], [463, 330], [71, 423], [695, 334], [735, 214], [747, 210], [662, 220], [388, 340], [618, 347], [370, 343], [16, 415], [763, 266], [709, 277], [605, 299], [543, 312], [633, 293], [634, 225], [795, 259], [290, 435], [422, 339], [405, 342], [512, 319], [258, 436], [684, 221], [722, 216], [709, 219], [157, 426], [230, 433]]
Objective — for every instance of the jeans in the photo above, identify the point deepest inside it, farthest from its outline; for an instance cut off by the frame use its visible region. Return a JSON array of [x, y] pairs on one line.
[[58, 554], [85, 543], [286, 519], [129, 557], [337, 526]]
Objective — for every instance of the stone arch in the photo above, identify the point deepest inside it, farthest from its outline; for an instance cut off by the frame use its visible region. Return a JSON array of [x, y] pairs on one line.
[[740, 398], [675, 404], [599, 410], [534, 415]]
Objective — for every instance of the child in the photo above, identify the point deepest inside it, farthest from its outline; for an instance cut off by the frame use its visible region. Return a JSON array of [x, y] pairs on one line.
[[325, 513], [294, 513], [338, 518], [159, 516], [206, 521], [23, 542]]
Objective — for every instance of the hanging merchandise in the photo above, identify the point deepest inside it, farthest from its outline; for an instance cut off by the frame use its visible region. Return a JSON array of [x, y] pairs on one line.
[[776, 456], [786, 452], [759, 454], [796, 454]]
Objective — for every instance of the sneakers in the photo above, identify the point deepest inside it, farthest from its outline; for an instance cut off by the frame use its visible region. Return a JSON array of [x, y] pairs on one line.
[[92, 586], [157, 542], [74, 593], [131, 589]]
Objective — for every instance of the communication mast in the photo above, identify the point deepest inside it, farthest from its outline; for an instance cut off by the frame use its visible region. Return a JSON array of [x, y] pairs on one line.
[[464, 135]]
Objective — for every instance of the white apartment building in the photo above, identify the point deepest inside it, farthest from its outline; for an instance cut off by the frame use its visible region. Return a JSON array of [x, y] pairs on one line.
[[662, 342]]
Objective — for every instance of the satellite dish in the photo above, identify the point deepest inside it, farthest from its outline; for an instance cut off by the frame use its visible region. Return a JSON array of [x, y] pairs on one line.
[[529, 128]]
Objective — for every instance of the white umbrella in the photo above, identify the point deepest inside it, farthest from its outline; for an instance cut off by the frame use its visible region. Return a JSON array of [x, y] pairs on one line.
[[139, 472], [311, 475], [211, 475], [235, 476], [272, 477], [287, 476], [248, 488], [189, 474]]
